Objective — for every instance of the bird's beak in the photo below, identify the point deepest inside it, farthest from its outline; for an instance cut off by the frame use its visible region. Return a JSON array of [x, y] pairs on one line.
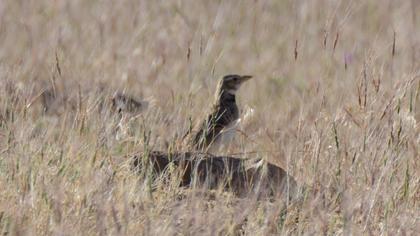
[[245, 77]]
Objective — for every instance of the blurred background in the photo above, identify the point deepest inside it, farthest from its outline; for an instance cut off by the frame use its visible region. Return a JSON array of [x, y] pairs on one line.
[[335, 97]]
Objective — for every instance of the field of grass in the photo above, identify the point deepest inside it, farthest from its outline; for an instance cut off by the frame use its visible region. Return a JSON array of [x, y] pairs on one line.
[[335, 99]]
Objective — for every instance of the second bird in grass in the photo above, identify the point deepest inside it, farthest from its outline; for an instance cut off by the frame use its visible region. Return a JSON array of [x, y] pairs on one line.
[[218, 128]]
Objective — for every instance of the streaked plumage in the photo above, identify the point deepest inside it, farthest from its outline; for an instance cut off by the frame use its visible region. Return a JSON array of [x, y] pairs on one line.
[[219, 125], [123, 103]]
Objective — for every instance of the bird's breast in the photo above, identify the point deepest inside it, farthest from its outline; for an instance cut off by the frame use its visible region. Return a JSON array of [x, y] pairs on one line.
[[225, 137]]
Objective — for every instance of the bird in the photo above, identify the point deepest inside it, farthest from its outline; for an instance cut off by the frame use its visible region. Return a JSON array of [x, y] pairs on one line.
[[127, 109], [122, 103], [218, 127]]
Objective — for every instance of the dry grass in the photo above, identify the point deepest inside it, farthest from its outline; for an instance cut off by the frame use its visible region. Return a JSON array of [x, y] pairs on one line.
[[336, 101]]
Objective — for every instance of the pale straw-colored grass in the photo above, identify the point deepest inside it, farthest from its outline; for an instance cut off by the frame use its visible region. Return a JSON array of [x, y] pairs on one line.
[[335, 99]]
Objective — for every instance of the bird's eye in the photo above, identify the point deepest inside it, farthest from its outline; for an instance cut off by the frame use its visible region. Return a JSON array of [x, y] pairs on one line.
[[235, 79]]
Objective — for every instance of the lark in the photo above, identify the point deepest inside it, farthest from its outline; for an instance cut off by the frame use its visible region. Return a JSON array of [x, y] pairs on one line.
[[128, 110], [122, 103], [219, 126]]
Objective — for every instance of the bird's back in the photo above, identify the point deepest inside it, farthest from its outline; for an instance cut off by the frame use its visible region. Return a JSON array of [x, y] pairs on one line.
[[222, 116]]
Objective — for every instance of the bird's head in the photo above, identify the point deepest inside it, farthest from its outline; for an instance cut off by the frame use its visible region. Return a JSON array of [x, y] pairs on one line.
[[231, 83]]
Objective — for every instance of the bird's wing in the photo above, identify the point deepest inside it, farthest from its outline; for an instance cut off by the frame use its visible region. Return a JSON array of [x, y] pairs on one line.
[[209, 129]]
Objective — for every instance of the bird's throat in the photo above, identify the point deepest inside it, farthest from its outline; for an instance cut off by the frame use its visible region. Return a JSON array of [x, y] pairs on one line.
[[227, 97]]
